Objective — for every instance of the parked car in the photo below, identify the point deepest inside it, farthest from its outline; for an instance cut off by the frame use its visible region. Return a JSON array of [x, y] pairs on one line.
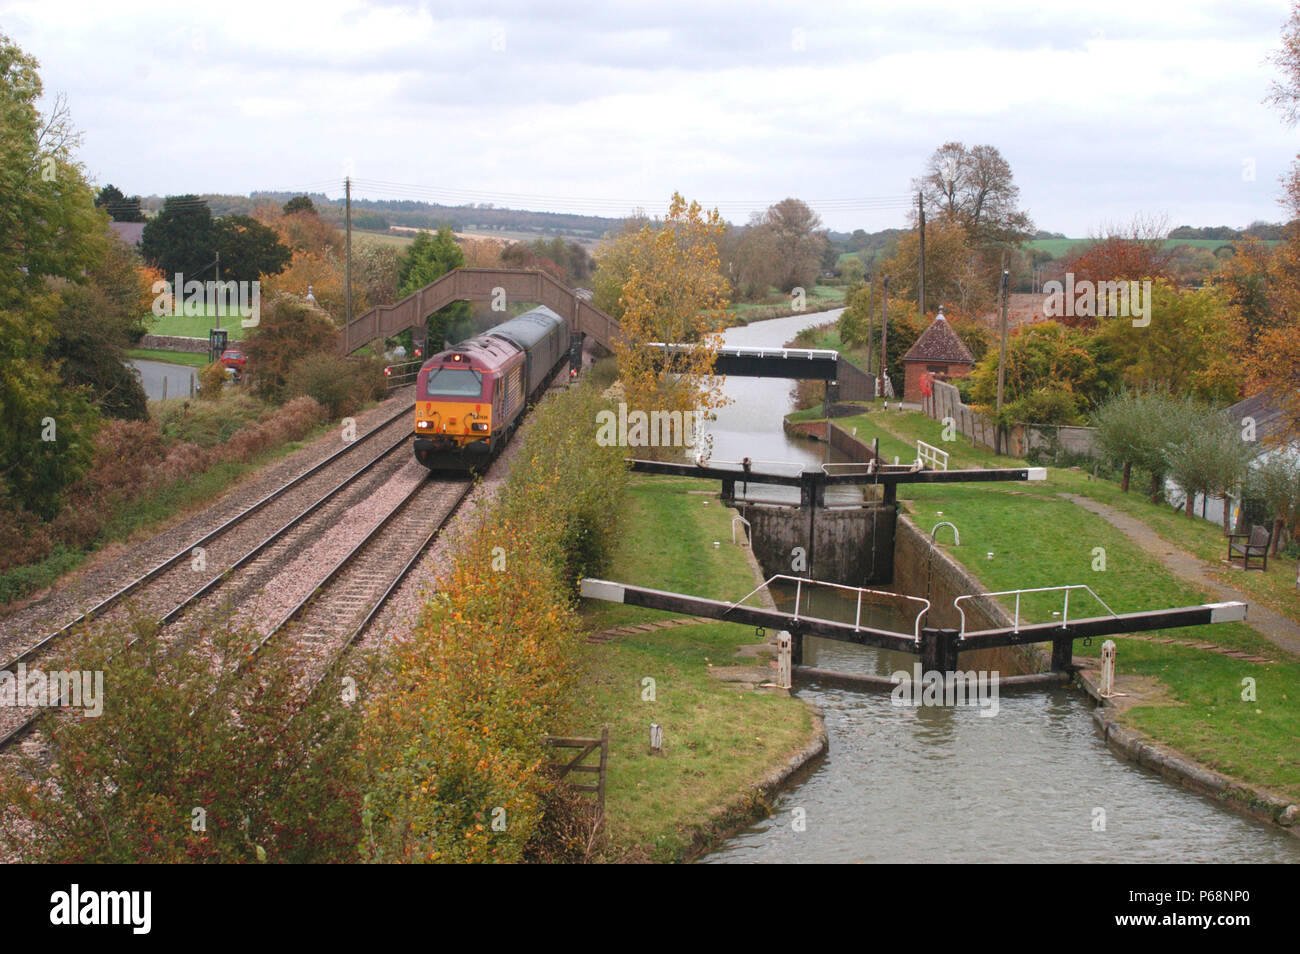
[[233, 360]]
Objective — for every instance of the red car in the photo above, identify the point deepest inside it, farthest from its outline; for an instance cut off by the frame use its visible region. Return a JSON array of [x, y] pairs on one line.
[[234, 359]]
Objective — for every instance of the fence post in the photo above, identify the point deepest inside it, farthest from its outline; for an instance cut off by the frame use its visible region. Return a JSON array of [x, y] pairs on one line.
[[604, 759]]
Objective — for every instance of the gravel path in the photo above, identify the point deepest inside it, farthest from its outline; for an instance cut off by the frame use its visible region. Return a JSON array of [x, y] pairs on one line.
[[1273, 626]]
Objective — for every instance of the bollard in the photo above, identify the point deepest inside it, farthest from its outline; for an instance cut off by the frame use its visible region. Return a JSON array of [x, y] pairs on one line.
[[1108, 669], [656, 738], [784, 660]]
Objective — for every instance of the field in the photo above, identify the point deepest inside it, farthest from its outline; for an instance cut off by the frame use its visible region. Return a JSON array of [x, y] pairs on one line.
[[197, 326]]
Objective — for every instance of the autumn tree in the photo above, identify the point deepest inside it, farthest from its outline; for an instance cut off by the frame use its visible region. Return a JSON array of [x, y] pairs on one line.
[[290, 329], [51, 233], [1191, 345], [674, 293], [956, 273], [750, 259], [614, 261], [1048, 368]]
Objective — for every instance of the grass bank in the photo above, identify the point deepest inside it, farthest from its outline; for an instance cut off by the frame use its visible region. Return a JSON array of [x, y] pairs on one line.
[[720, 737], [187, 358], [1038, 538]]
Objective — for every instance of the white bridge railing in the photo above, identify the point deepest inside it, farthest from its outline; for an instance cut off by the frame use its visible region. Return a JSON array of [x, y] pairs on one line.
[[800, 582], [1015, 626], [931, 456]]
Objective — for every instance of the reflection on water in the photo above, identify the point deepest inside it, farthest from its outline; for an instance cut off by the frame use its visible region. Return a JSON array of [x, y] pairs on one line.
[[945, 784]]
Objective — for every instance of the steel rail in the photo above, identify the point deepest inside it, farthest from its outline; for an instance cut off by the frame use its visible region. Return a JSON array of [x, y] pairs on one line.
[[175, 612], [96, 610]]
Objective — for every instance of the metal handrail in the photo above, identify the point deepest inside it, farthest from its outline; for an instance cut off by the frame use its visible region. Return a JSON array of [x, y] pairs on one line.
[[1015, 626], [860, 590]]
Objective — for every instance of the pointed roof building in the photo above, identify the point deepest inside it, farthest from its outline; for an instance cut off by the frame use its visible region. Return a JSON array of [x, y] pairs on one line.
[[938, 354], [939, 344]]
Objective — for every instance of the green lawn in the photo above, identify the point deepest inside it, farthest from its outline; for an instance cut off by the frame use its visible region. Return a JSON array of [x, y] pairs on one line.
[[197, 326], [170, 357], [718, 741]]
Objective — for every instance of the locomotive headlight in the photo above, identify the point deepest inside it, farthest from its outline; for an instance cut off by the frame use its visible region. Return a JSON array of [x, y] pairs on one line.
[[478, 426]]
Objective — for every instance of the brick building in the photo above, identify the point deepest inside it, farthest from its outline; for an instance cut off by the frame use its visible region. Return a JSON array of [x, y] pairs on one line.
[[939, 351]]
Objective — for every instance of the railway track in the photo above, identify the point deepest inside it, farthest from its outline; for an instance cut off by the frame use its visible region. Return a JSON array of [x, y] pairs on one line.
[[257, 551], [326, 623]]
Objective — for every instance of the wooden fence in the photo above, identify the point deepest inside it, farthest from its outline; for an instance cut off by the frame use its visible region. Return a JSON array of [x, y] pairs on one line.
[[576, 764]]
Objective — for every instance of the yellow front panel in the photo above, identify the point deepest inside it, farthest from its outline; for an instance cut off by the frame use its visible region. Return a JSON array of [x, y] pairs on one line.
[[453, 419]]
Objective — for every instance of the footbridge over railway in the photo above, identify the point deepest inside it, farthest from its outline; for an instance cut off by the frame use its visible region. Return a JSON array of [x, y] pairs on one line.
[[481, 284]]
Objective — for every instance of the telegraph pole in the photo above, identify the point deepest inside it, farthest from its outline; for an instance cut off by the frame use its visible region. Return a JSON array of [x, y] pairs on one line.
[[347, 245], [884, 338], [219, 295], [1002, 352], [920, 205], [871, 322]]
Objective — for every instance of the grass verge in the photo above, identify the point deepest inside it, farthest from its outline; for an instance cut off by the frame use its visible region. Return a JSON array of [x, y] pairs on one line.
[[719, 740]]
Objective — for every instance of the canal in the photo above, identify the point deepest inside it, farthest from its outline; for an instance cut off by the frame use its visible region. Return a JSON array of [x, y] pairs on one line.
[[947, 783]]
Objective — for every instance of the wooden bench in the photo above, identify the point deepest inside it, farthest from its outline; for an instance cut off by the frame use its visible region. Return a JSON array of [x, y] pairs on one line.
[[1250, 546]]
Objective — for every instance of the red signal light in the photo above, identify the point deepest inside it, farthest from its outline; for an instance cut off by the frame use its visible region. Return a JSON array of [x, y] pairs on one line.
[[388, 372]]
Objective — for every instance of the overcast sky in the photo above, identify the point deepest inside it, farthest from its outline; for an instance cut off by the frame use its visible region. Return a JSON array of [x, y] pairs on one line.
[[1104, 109]]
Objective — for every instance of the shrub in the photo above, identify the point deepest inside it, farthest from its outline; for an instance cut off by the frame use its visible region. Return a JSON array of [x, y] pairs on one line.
[[167, 774], [340, 384], [212, 381], [457, 742]]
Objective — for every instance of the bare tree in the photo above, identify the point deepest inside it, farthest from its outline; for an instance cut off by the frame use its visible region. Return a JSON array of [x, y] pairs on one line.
[[975, 186]]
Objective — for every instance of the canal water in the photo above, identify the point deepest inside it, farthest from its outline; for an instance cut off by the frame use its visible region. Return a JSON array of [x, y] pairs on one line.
[[899, 783]]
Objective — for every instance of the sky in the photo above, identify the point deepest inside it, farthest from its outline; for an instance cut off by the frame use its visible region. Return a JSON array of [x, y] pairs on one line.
[[1105, 110]]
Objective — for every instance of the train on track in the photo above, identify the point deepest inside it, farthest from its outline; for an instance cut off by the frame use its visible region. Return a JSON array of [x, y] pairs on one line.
[[470, 398]]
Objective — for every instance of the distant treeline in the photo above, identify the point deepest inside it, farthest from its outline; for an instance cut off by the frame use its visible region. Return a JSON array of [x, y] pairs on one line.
[[1266, 231]]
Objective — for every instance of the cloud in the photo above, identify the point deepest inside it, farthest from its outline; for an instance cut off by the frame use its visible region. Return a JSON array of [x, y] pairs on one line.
[[1102, 108]]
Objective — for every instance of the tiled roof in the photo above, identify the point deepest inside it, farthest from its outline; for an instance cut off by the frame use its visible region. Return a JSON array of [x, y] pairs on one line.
[[1271, 418], [939, 343]]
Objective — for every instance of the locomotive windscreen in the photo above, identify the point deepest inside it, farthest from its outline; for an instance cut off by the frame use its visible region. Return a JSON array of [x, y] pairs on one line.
[[453, 382]]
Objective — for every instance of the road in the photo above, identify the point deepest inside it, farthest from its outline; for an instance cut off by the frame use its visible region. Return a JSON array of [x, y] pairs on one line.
[[157, 375]]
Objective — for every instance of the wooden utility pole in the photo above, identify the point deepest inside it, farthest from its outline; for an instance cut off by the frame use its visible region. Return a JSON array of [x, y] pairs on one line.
[[347, 245], [884, 337], [920, 296], [1002, 352], [871, 322], [220, 298]]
